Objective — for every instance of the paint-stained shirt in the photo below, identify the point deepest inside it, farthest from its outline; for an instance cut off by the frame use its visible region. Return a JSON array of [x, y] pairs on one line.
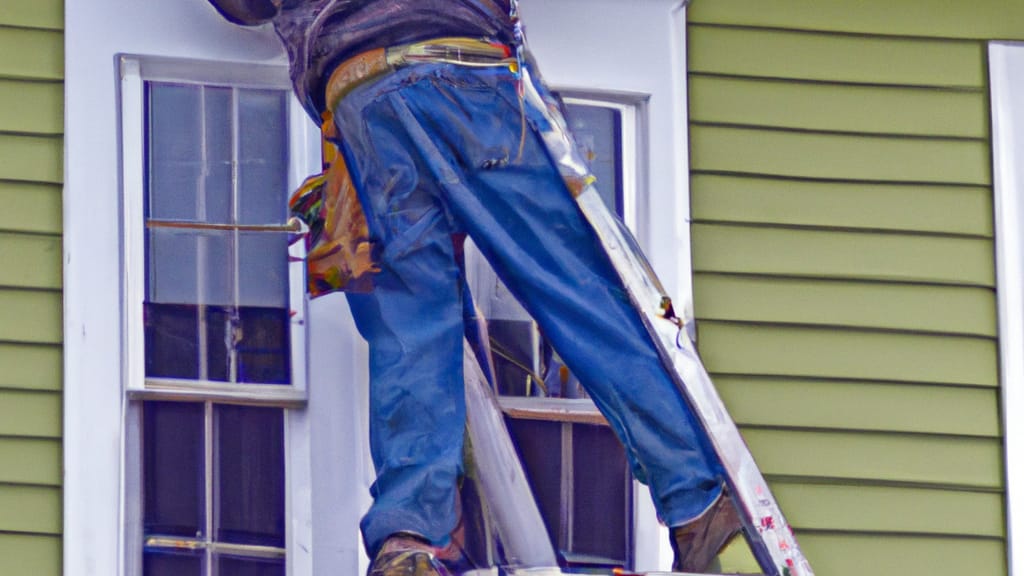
[[320, 34]]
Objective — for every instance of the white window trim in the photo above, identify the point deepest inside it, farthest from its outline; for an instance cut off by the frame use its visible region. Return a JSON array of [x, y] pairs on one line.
[[1006, 72]]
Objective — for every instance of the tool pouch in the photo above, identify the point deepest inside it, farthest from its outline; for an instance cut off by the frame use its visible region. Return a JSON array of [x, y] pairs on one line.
[[339, 253]]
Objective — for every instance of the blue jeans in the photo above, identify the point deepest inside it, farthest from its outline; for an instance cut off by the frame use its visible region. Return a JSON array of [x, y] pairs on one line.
[[434, 150]]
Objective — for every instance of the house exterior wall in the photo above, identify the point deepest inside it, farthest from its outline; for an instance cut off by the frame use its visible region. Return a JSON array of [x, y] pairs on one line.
[[843, 269], [31, 158], [842, 245]]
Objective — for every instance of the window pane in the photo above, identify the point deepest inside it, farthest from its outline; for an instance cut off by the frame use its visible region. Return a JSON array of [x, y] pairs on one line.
[[233, 566], [190, 267], [264, 350], [512, 338], [250, 475], [203, 342], [540, 448], [172, 340], [189, 151], [598, 133], [600, 494], [173, 468], [220, 333], [262, 156], [159, 563], [263, 269]]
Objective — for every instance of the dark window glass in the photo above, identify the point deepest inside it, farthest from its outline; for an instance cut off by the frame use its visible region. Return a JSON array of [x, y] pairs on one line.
[[233, 566], [540, 447], [512, 347], [600, 493], [165, 563], [598, 134], [173, 468], [250, 475], [258, 337], [263, 346], [172, 340]]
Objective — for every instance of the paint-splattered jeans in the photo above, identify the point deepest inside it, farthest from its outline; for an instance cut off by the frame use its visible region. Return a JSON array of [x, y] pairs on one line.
[[434, 150]]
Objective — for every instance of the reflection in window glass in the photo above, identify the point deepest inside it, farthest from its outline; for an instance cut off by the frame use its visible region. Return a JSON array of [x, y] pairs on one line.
[[250, 476], [173, 469], [216, 299], [598, 134], [214, 479], [233, 566], [165, 563]]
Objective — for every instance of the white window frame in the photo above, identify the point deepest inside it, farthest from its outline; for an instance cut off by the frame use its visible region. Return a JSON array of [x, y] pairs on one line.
[[135, 71], [632, 110], [1006, 74]]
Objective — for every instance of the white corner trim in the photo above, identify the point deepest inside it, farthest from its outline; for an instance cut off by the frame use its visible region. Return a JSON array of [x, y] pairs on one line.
[[1006, 72]]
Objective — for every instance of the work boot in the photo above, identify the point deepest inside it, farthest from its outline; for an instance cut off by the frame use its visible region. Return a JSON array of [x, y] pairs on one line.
[[407, 555], [697, 543]]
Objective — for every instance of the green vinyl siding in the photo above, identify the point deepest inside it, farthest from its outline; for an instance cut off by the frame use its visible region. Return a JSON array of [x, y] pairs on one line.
[[29, 554], [31, 158], [799, 56], [842, 254], [31, 316], [810, 352], [957, 210], [822, 155], [844, 282], [788, 401], [839, 108], [32, 107], [978, 19], [30, 366], [30, 260], [30, 207], [29, 461], [31, 54], [883, 305], [893, 509], [854, 457], [48, 15], [31, 302], [850, 554]]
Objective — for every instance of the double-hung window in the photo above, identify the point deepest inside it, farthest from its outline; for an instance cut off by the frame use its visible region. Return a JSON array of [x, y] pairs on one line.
[[214, 317]]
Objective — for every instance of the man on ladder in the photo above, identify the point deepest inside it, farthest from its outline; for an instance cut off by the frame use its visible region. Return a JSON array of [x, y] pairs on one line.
[[444, 127]]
